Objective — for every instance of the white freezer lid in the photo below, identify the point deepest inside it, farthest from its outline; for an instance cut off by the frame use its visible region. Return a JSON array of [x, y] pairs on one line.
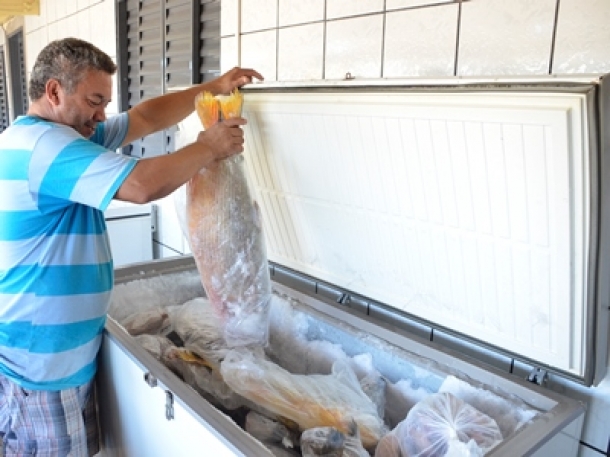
[[471, 208]]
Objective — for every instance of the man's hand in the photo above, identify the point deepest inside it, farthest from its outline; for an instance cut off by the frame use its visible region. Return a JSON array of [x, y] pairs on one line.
[[223, 139], [236, 77]]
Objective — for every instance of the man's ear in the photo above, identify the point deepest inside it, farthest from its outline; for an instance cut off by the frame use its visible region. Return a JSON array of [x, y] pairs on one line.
[[53, 91]]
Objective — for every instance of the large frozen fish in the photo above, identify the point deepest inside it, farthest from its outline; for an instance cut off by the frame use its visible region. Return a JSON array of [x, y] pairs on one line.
[[226, 238]]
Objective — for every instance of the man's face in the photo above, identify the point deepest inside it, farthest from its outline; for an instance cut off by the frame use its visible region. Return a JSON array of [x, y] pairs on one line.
[[86, 106]]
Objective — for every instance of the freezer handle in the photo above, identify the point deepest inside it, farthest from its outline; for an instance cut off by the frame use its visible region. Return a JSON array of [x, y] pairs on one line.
[[151, 380], [169, 405]]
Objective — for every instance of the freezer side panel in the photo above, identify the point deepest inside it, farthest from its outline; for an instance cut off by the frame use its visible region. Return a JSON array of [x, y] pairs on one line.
[[565, 442], [133, 414]]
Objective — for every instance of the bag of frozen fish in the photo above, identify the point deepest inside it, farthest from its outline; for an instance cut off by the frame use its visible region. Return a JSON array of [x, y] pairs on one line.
[[335, 400], [225, 234], [441, 425]]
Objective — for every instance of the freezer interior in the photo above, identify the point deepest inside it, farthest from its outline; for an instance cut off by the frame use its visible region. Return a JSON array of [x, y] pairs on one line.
[[159, 308]]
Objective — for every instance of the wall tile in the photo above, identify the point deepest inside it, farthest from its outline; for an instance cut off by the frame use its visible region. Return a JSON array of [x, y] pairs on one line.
[[103, 33], [506, 38], [344, 8], [71, 7], [50, 10], [32, 22], [67, 26], [299, 12], [258, 51], [84, 25], [395, 4], [228, 53], [36, 41], [82, 4], [52, 31], [354, 46], [228, 17], [583, 37], [421, 42], [60, 11], [301, 52], [258, 15]]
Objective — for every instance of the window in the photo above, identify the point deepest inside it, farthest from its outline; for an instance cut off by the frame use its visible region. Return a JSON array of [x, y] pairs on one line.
[[17, 74], [4, 114]]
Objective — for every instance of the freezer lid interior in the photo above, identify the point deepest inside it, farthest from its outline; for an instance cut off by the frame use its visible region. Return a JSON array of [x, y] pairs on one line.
[[472, 208]]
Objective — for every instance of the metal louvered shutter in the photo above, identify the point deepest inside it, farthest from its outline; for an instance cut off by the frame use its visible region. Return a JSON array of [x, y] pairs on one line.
[[209, 40], [17, 68], [4, 114], [143, 71], [162, 54]]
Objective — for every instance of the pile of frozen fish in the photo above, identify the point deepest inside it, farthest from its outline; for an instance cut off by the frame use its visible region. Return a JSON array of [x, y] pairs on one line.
[[303, 395]]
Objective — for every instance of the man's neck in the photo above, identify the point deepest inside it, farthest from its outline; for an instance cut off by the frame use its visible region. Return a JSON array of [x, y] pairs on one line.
[[36, 109]]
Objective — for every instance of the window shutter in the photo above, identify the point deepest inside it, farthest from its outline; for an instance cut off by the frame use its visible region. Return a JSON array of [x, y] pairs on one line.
[[4, 114], [17, 69], [167, 44]]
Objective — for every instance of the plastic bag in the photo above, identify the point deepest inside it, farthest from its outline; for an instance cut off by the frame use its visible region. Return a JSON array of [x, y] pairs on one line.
[[333, 400], [226, 237], [149, 322], [441, 425], [509, 411], [200, 330]]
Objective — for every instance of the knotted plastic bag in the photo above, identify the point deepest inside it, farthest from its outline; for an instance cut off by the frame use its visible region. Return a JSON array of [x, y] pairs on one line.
[[441, 425]]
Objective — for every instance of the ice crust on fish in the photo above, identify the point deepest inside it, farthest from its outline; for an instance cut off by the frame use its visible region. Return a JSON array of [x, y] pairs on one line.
[[226, 237]]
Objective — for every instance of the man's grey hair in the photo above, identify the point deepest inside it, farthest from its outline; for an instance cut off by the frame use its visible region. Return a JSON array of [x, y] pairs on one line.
[[67, 60]]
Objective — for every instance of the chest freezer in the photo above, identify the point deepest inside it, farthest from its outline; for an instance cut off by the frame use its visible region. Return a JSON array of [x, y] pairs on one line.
[[448, 238]]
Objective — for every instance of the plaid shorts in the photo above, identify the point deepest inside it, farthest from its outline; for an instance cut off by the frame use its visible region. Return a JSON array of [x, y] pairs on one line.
[[47, 423]]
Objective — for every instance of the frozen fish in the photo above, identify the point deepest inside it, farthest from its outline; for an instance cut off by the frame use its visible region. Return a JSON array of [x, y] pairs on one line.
[[226, 238]]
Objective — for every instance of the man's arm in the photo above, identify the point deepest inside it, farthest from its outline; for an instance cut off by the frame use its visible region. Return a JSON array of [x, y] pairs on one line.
[[157, 177], [167, 110]]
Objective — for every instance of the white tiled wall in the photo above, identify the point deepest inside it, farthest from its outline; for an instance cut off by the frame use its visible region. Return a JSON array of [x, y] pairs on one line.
[[91, 20], [417, 38], [326, 39]]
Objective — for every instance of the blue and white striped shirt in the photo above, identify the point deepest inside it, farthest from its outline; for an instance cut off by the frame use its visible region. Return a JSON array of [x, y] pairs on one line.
[[56, 271]]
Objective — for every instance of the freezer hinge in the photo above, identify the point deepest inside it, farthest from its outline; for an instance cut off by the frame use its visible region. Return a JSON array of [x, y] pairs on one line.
[[150, 379], [344, 299], [538, 376], [169, 405]]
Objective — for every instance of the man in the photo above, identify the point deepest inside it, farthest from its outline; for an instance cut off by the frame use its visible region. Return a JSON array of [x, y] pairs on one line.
[[58, 173]]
